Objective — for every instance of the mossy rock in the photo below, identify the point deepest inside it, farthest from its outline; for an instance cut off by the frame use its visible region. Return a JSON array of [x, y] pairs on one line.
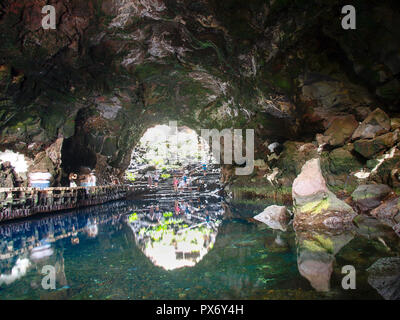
[[342, 161], [109, 146], [69, 128], [341, 129], [294, 156], [369, 148], [372, 163]]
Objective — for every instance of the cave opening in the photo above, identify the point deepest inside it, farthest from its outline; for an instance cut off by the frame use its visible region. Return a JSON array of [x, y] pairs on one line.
[[169, 149]]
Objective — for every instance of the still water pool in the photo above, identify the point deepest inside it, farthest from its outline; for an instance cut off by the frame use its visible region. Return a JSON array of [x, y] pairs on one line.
[[113, 252]]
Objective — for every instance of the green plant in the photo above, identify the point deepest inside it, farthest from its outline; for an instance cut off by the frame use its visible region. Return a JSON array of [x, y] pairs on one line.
[[133, 217], [130, 176]]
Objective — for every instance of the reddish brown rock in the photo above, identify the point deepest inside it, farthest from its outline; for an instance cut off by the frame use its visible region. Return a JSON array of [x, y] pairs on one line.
[[388, 210], [340, 130], [378, 122], [368, 197], [369, 148]]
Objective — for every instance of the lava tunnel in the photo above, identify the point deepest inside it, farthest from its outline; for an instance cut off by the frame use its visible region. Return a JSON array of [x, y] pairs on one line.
[[202, 149]]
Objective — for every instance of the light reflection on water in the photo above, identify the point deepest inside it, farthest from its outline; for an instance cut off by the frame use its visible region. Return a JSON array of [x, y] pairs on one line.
[[100, 253]]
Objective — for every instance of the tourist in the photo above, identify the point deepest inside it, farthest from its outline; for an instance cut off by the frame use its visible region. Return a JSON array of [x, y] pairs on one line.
[[93, 179], [156, 179], [189, 182], [72, 179], [185, 178], [187, 209], [183, 207], [158, 213], [85, 180], [181, 185], [150, 181], [175, 182], [151, 212], [177, 209], [204, 169]]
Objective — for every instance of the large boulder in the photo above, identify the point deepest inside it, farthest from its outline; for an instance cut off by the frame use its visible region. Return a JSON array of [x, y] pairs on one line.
[[368, 197], [294, 156], [276, 217], [368, 148], [342, 160], [315, 205], [378, 122], [310, 185], [389, 210], [384, 276], [340, 130]]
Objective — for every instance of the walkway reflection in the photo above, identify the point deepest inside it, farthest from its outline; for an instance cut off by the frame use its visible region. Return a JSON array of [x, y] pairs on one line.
[[33, 243]]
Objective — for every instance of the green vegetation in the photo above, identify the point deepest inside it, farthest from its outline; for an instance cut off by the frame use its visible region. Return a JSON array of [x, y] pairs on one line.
[[316, 207], [167, 214], [165, 176], [319, 243], [133, 217], [130, 176]]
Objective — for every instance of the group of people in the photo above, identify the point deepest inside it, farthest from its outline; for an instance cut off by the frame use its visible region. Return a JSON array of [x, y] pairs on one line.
[[180, 208], [184, 182], [183, 208], [155, 213], [153, 178], [87, 180]]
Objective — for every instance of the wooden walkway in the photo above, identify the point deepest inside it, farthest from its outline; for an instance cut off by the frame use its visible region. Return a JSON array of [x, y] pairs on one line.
[[18, 203]]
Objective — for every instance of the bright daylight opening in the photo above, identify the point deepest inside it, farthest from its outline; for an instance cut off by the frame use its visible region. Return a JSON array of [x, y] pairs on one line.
[[177, 222], [164, 148]]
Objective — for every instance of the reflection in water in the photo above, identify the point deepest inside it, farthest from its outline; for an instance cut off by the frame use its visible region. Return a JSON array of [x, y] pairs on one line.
[[132, 250], [92, 228], [27, 244], [42, 251], [384, 276], [177, 240], [18, 271], [316, 255]]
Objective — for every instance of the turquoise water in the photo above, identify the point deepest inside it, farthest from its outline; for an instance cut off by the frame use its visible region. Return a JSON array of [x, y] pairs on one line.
[[105, 252]]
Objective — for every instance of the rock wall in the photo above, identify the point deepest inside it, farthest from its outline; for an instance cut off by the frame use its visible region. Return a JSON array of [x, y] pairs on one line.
[[112, 69]]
